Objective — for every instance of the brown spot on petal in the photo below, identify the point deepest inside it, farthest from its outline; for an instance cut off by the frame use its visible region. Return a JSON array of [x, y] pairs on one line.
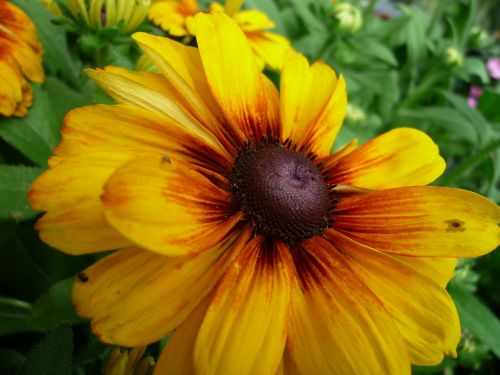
[[455, 225], [83, 277]]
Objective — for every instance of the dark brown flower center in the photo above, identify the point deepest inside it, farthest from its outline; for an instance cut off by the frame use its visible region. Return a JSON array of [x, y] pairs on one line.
[[281, 191]]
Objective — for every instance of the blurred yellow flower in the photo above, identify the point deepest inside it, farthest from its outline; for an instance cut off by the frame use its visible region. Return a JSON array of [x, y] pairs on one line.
[[129, 362], [176, 17], [98, 14], [233, 226], [20, 60]]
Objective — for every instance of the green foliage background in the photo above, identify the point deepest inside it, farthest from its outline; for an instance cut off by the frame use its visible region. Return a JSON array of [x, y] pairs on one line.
[[398, 73]]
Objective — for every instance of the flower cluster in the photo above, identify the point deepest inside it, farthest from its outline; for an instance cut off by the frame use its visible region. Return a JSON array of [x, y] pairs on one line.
[[176, 17]]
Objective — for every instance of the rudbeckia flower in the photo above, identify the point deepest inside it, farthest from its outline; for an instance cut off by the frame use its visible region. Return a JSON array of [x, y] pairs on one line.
[[20, 60], [238, 231], [176, 17]]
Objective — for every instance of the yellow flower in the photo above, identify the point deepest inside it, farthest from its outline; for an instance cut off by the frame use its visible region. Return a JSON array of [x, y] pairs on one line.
[[98, 14], [176, 17], [129, 362], [20, 60], [238, 231]]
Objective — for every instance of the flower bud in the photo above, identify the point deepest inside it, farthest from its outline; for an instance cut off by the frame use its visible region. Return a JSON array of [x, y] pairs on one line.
[[349, 17], [99, 14], [355, 114], [129, 362], [453, 57]]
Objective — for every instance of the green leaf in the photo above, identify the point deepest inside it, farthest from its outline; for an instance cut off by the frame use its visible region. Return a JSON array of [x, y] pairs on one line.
[[444, 118], [54, 307], [53, 355], [313, 45], [15, 182], [37, 134], [371, 48], [13, 315], [488, 105], [57, 57], [482, 126], [469, 163], [64, 98], [11, 361], [415, 37], [303, 9], [477, 318], [474, 66]]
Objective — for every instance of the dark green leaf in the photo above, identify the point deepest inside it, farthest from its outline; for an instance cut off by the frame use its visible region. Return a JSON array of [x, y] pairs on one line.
[[63, 98], [15, 182], [54, 307], [13, 314], [53, 355], [488, 105], [477, 318], [11, 361], [37, 134]]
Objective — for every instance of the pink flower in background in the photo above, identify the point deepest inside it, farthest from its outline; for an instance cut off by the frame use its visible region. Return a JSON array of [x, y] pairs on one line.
[[493, 66], [474, 94]]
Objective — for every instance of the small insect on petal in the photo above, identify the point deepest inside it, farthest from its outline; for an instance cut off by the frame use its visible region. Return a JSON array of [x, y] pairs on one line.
[[83, 277]]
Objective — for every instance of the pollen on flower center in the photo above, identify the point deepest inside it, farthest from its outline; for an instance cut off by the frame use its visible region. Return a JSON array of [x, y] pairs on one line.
[[281, 191]]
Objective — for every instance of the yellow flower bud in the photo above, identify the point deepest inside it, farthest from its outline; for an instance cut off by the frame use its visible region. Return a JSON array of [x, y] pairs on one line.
[[453, 57], [355, 114], [129, 362], [98, 14], [348, 16]]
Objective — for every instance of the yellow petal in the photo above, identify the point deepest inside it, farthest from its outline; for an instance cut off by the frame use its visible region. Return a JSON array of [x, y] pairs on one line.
[[400, 157], [253, 20], [269, 47], [235, 80], [135, 297], [178, 355], [167, 207], [440, 270], [244, 330], [181, 66], [423, 311], [150, 91], [19, 41], [11, 89], [69, 192], [421, 221], [312, 107], [125, 128], [337, 325]]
